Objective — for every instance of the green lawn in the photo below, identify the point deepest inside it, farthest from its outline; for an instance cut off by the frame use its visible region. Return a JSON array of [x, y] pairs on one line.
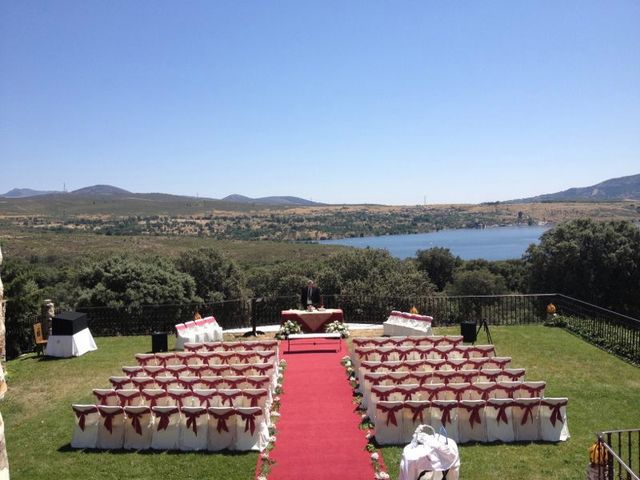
[[603, 392], [39, 423]]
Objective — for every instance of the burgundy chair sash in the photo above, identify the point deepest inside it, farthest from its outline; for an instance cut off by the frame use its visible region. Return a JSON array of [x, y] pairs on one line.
[[135, 420], [528, 412], [474, 413], [81, 415], [141, 382], [118, 384], [256, 382], [391, 413], [192, 418], [502, 411], [556, 415], [164, 417], [152, 398], [203, 398], [229, 397], [261, 369], [178, 396], [446, 413], [250, 420], [145, 360], [108, 418], [222, 419], [103, 398], [417, 411], [126, 399], [254, 397]]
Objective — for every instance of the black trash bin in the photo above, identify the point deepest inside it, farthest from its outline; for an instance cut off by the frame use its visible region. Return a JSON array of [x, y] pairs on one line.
[[468, 332], [159, 342]]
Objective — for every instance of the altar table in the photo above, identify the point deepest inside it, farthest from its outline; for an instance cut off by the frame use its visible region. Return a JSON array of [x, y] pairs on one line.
[[314, 321]]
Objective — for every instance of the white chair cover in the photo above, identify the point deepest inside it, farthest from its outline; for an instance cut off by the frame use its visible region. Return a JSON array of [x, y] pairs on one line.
[[252, 432], [110, 427], [553, 419], [106, 396], [193, 428], [526, 419], [389, 422], [472, 423], [166, 428], [222, 428], [155, 397], [85, 433], [130, 396], [414, 414], [444, 414], [499, 416], [138, 428]]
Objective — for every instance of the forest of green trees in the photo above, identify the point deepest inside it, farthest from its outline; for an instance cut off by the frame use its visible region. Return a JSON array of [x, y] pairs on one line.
[[594, 261]]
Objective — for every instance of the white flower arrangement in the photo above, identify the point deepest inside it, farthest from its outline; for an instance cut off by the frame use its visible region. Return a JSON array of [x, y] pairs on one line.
[[382, 476], [375, 456], [261, 477], [288, 328], [337, 327]]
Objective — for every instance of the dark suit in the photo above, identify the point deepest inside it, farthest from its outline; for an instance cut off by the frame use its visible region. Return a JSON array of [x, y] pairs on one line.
[[316, 296]]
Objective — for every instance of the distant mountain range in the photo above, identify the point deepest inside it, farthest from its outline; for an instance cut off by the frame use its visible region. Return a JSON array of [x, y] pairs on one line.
[[116, 192], [623, 188]]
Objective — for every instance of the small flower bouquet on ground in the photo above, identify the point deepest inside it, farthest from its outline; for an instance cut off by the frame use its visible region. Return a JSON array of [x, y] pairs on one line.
[[337, 327], [288, 328]]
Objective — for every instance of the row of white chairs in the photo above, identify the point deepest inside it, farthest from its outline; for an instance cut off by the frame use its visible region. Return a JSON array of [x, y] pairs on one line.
[[484, 363], [398, 341], [201, 330], [235, 346], [403, 323], [493, 420], [190, 382], [422, 352], [169, 428], [201, 370], [182, 397], [444, 376], [206, 358], [452, 391]]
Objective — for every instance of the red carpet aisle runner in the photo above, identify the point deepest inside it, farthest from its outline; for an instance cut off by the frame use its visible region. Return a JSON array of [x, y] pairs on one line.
[[317, 433]]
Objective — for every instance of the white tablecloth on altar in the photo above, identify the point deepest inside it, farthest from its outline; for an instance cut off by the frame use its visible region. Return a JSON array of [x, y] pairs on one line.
[[70, 345]]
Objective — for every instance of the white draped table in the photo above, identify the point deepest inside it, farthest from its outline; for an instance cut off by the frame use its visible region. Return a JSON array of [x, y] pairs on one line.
[[70, 345]]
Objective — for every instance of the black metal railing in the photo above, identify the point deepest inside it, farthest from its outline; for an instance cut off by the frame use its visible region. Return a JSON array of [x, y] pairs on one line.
[[622, 460], [617, 333]]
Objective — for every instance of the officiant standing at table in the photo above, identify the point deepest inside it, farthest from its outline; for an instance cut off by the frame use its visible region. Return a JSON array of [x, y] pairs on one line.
[[310, 295]]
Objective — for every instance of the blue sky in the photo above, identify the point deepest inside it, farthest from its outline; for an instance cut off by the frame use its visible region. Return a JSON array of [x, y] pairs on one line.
[[339, 101]]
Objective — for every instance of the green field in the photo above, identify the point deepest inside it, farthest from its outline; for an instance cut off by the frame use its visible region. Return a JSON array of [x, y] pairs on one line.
[[604, 393]]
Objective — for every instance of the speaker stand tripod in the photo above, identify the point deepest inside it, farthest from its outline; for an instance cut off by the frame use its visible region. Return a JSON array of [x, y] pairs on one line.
[[483, 325]]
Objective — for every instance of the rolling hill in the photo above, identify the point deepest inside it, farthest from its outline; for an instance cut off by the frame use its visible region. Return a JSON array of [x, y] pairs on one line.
[[614, 189]]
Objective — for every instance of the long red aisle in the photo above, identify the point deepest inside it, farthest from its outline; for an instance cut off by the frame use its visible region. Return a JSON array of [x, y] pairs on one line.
[[317, 434]]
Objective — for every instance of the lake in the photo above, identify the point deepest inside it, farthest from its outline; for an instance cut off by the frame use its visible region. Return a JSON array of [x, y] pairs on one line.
[[497, 243]]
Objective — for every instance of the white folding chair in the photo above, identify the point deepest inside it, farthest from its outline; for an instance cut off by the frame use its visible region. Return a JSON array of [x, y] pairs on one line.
[[146, 359], [414, 413], [155, 397], [133, 370], [222, 428], [472, 423], [252, 432], [526, 419], [138, 428], [389, 422], [110, 427], [193, 429], [130, 396], [87, 419], [530, 389], [106, 396], [499, 416], [553, 420], [121, 382], [444, 414], [166, 428]]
